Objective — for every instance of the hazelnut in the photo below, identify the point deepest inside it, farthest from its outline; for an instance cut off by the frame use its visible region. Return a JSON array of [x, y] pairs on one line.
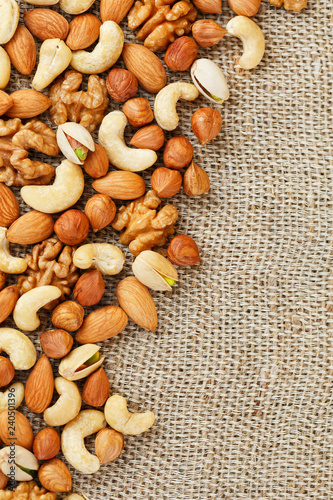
[[166, 182], [108, 445], [96, 388], [7, 371], [183, 251], [178, 152], [100, 210], [72, 227], [3, 278], [246, 8], [150, 137], [46, 444], [206, 124], [196, 181], [55, 476], [138, 112], [56, 343], [121, 84], [97, 162], [207, 32], [181, 54], [68, 316], [89, 288]]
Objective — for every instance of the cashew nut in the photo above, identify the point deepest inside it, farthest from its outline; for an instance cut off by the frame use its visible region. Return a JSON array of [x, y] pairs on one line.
[[111, 137], [72, 440], [63, 193], [166, 100], [54, 57], [19, 348], [68, 405], [9, 15], [253, 40], [12, 397], [42, 2], [75, 6], [8, 263], [107, 258], [119, 418], [25, 310], [4, 68], [106, 52], [13, 456]]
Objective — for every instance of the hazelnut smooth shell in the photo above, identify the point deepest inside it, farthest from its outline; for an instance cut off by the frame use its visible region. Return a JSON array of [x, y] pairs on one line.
[[121, 84], [206, 124], [166, 182], [178, 152], [72, 227], [181, 54], [183, 251]]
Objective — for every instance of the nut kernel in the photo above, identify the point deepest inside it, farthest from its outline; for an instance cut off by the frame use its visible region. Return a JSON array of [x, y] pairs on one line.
[[183, 251], [68, 316]]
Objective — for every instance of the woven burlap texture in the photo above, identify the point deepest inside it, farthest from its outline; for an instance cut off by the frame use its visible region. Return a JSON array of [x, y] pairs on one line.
[[239, 370]]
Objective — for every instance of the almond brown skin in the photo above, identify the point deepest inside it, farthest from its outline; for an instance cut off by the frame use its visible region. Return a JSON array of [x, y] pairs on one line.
[[96, 388], [108, 445], [7, 371], [146, 66], [46, 444], [181, 54], [28, 103], [5, 102], [40, 386], [8, 299], [113, 10], [121, 185], [102, 324], [55, 476], [135, 299], [3, 277], [97, 163], [46, 23], [56, 343], [22, 50], [89, 288], [9, 207], [72, 227], [31, 228], [16, 430], [83, 31], [3, 481]]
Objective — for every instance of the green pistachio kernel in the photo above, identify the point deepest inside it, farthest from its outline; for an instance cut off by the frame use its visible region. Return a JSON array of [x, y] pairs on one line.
[[170, 281], [82, 155], [92, 360], [28, 471]]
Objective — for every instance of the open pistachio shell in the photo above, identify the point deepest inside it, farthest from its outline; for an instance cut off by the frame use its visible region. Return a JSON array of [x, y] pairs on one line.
[[80, 134], [151, 269], [210, 80], [21, 457], [76, 358]]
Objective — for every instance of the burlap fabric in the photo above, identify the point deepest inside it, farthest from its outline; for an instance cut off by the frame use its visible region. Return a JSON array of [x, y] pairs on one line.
[[239, 371]]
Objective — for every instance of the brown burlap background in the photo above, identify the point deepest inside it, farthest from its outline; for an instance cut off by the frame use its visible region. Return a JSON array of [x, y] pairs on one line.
[[239, 371]]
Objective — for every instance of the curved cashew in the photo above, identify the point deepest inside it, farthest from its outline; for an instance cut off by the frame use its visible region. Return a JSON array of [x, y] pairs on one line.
[[5, 68], [107, 258], [68, 405], [54, 57], [104, 55], [111, 137], [72, 440], [13, 456], [63, 193], [9, 15], [19, 348], [253, 40], [12, 397], [75, 6], [25, 310], [8, 263], [119, 418], [166, 100], [42, 2]]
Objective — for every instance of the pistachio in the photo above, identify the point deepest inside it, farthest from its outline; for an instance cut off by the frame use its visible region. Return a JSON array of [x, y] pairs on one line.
[[81, 362], [75, 142], [210, 80], [24, 463], [154, 271]]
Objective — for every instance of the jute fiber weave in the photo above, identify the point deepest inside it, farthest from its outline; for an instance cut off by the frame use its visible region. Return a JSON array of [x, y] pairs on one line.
[[239, 371]]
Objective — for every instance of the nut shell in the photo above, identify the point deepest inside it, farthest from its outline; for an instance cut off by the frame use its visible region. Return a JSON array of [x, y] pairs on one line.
[[121, 84], [72, 227], [68, 316], [166, 182], [181, 54], [100, 210], [40, 386], [196, 181], [207, 32], [15, 428], [96, 388], [108, 445], [55, 476], [89, 288], [206, 124], [150, 137], [56, 343], [183, 251], [138, 111], [9, 207], [7, 371], [46, 444], [178, 152]]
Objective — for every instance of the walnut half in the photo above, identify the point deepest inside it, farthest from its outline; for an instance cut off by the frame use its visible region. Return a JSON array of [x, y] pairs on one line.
[[27, 491], [295, 5]]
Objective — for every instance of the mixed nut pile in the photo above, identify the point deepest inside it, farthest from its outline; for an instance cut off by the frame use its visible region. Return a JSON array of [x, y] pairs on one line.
[[64, 267]]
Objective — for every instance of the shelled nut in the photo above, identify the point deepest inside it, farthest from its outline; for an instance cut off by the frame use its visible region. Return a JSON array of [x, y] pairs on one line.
[[138, 111], [166, 182], [178, 153], [68, 316], [183, 251]]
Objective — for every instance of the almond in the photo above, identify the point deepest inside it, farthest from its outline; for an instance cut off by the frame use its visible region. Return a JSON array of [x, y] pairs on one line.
[[22, 51], [8, 299], [5, 102], [96, 388], [40, 386], [31, 228], [246, 8], [121, 185], [46, 24], [56, 343], [9, 207], [7, 371], [102, 324], [55, 476], [114, 10], [46, 444], [209, 6], [146, 66], [15, 427], [83, 31], [28, 103], [137, 302], [108, 445], [97, 163], [89, 288]]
